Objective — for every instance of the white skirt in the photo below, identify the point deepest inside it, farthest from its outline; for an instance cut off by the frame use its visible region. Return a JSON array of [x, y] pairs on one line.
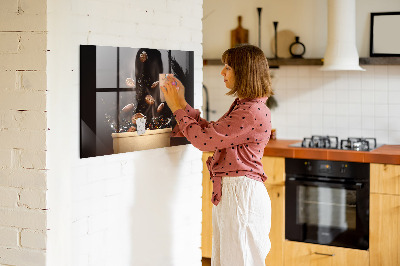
[[241, 223]]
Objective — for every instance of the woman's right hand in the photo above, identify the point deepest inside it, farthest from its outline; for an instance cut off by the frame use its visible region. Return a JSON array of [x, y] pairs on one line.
[[181, 90]]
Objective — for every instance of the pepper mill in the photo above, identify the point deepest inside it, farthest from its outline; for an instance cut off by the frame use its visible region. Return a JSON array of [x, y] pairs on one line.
[[276, 38]]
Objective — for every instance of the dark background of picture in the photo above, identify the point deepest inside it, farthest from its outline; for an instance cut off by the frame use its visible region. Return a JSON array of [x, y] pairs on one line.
[[104, 92]]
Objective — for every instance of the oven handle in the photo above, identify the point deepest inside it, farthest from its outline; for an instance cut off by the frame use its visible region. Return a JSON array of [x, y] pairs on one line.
[[357, 185]]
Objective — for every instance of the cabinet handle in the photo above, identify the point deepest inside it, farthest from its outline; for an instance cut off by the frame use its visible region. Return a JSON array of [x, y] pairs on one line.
[[324, 254]]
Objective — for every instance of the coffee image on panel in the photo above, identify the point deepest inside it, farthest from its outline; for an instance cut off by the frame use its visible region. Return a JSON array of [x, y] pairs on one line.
[[121, 105]]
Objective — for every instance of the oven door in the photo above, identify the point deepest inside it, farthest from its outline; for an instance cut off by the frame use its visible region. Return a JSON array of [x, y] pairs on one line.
[[327, 213]]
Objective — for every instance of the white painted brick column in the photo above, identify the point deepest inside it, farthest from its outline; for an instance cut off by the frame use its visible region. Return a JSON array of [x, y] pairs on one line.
[[23, 128]]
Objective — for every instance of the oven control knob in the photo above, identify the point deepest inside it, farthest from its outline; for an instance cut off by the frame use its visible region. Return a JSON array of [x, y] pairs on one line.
[[308, 166], [343, 168]]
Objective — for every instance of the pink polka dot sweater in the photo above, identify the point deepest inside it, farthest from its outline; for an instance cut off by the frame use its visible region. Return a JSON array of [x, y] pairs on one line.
[[238, 139]]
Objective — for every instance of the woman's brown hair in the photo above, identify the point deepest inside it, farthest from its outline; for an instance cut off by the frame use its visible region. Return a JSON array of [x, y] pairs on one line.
[[250, 66]]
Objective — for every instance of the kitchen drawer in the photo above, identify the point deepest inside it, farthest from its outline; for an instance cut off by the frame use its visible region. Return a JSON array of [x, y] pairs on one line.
[[274, 168], [385, 178], [305, 254]]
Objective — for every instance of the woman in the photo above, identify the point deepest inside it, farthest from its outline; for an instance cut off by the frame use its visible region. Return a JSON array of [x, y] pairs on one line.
[[242, 211]]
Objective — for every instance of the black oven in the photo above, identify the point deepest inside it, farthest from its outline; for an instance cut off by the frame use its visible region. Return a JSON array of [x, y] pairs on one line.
[[327, 202]]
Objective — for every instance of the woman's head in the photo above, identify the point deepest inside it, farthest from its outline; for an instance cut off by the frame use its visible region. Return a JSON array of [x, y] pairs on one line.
[[251, 77]]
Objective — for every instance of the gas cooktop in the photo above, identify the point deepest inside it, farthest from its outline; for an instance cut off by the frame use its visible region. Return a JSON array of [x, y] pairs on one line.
[[332, 142]]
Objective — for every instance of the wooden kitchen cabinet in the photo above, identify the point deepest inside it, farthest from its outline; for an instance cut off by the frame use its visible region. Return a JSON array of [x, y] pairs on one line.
[[385, 178], [206, 232], [305, 254], [277, 233], [274, 168], [384, 236], [385, 215]]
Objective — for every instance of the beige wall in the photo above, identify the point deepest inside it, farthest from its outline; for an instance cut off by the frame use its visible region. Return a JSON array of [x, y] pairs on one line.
[[305, 18]]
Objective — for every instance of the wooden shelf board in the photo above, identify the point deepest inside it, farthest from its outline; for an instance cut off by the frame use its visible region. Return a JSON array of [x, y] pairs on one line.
[[273, 62]]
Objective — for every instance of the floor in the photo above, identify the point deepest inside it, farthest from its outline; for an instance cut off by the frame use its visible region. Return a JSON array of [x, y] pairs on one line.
[[206, 261]]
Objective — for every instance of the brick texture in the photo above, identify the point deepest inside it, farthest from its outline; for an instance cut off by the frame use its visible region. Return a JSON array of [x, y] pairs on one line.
[[23, 125]]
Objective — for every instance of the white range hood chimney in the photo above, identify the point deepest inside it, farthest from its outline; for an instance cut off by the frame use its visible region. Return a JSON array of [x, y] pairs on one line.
[[341, 51]]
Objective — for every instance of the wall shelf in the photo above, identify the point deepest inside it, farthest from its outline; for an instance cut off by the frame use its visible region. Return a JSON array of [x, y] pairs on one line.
[[274, 63]]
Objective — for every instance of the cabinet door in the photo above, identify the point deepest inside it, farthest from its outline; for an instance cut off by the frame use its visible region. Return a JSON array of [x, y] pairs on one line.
[[274, 168], [304, 254], [385, 178], [206, 232], [277, 233], [384, 230]]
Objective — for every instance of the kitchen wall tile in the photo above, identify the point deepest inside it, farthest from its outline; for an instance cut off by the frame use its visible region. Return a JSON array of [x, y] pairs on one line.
[[342, 122], [317, 108], [368, 123], [394, 83], [367, 110], [304, 109], [381, 97], [394, 123], [394, 137], [382, 136], [394, 110], [380, 71], [293, 120], [393, 71], [382, 123], [329, 122], [355, 122], [329, 109], [355, 96], [328, 74], [367, 96], [331, 131], [342, 80], [394, 97], [317, 95], [342, 96], [367, 82], [381, 84], [329, 93], [355, 132], [304, 72], [292, 83], [354, 80], [317, 121], [291, 71], [355, 109], [330, 100], [278, 71], [381, 110], [315, 71], [367, 133], [317, 131], [316, 82], [342, 133], [303, 82], [342, 109]]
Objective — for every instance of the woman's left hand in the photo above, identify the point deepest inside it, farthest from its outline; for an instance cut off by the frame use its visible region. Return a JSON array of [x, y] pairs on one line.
[[171, 95]]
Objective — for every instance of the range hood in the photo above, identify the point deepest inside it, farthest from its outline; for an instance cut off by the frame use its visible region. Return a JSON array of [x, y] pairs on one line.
[[341, 51]]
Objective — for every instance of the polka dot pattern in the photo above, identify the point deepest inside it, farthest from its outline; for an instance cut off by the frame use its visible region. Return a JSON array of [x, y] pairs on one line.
[[238, 139]]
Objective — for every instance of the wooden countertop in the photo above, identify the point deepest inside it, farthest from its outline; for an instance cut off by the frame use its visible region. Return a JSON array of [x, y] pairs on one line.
[[389, 154]]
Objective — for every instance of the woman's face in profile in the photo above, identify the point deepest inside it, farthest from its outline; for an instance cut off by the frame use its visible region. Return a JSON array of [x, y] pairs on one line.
[[229, 76]]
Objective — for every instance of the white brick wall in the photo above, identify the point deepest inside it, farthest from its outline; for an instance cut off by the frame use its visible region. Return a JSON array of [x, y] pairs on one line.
[[100, 209], [23, 132], [140, 208]]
